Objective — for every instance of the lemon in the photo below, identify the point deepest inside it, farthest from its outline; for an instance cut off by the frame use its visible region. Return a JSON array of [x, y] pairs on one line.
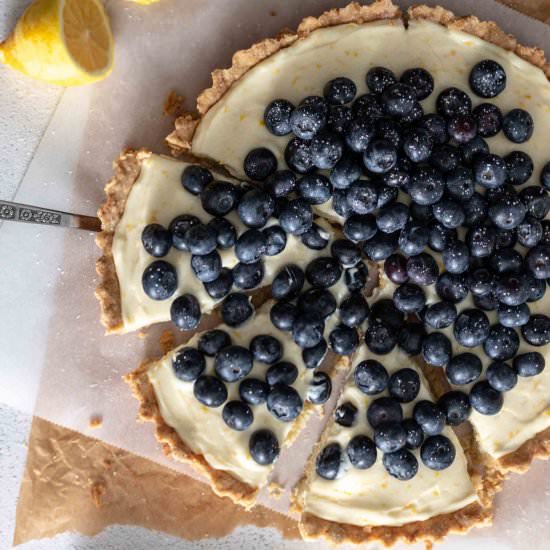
[[65, 42], [144, 2]]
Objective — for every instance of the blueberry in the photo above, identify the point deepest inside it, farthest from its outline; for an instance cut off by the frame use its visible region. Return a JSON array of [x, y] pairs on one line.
[[445, 157], [427, 185], [383, 410], [473, 148], [282, 315], [537, 288], [275, 240], [392, 218], [185, 312], [281, 373], [481, 241], [313, 357], [263, 447], [178, 226], [437, 452], [420, 80], [404, 385], [307, 120], [156, 240], [489, 170], [360, 227], [440, 315], [298, 156], [348, 169], [538, 261], [395, 268], [380, 156], [266, 349], [210, 391], [251, 246], [314, 188], [452, 287], [471, 328], [219, 198], [367, 106], [226, 234], [456, 407], [277, 117], [485, 399], [512, 290], [502, 342], [237, 415], [429, 417], [385, 312], [409, 298], [362, 196], [411, 337], [462, 128], [323, 272], [436, 349], [390, 437], [436, 125], [213, 341], [401, 464], [487, 302], [207, 268], [340, 203], [463, 368], [319, 389], [487, 78], [545, 232], [475, 209], [380, 339], [345, 414], [505, 238], [255, 208], [288, 282], [418, 144], [221, 286], [506, 260], [338, 118], [200, 239], [319, 302], [339, 91], [159, 280], [489, 119], [307, 330], [280, 183], [233, 363], [456, 257], [343, 340], [513, 316], [361, 452], [440, 237], [507, 212], [452, 102], [501, 376], [529, 364], [537, 330], [518, 125], [545, 176], [353, 310], [284, 403], [371, 377], [326, 149], [328, 461], [356, 277], [414, 433], [315, 238], [253, 391], [519, 167], [536, 200], [188, 364], [390, 130], [195, 178], [315, 101], [359, 133], [296, 217], [236, 309], [449, 213], [398, 99], [379, 78], [422, 269]]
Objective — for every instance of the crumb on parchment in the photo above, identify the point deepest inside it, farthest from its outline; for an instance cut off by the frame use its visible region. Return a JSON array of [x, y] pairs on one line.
[[96, 421], [97, 491]]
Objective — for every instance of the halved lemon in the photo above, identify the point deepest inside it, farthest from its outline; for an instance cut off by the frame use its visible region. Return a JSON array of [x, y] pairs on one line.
[[65, 42]]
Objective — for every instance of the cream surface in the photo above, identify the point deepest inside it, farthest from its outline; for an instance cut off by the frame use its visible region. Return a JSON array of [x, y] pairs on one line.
[[158, 197], [350, 50], [372, 496], [526, 408]]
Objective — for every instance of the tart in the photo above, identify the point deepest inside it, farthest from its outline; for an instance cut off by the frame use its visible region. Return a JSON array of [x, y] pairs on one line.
[[401, 150]]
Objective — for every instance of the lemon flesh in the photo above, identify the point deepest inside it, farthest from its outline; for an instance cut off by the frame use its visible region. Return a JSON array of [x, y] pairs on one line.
[[65, 42]]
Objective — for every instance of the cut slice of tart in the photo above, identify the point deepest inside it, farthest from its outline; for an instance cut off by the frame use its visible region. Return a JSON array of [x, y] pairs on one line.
[[229, 399], [418, 487], [147, 193]]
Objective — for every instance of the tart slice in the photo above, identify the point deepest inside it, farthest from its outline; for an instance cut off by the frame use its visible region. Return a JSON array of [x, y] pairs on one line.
[[387, 468], [229, 399], [150, 259]]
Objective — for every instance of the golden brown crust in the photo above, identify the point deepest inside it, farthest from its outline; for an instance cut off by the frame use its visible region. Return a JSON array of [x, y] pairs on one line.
[[180, 139], [222, 483], [126, 171]]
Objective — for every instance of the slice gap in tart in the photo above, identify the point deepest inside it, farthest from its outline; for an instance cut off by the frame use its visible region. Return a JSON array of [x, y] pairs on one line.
[[196, 433], [369, 504]]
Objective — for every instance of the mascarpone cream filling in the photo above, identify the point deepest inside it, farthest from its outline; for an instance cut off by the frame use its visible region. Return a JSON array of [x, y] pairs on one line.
[[350, 50], [158, 197], [372, 496]]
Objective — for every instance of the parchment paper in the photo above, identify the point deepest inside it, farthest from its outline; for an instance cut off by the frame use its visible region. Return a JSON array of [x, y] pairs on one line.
[[52, 334]]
